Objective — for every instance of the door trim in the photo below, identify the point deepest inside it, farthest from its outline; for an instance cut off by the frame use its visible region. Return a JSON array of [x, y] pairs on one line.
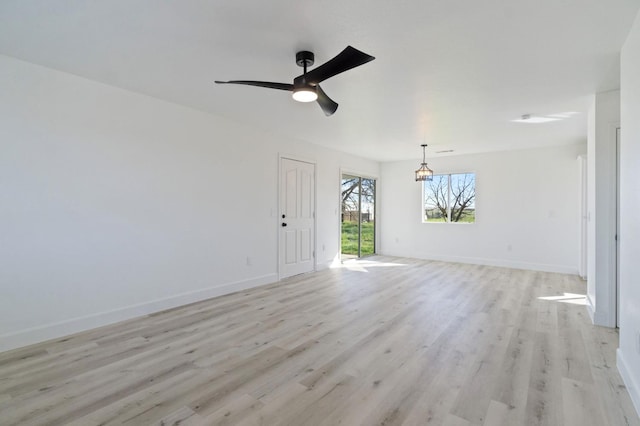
[[282, 156], [617, 220]]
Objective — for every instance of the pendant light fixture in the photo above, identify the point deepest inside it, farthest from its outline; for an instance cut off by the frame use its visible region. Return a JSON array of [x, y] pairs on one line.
[[424, 172]]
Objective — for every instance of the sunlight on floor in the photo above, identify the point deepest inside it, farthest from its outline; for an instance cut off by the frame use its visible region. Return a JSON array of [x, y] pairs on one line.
[[574, 299], [361, 265]]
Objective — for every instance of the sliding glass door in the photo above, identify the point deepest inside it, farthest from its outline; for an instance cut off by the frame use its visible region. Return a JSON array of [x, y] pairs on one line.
[[358, 216]]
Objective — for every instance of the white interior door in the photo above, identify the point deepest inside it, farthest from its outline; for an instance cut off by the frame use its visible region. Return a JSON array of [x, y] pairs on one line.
[[297, 217]]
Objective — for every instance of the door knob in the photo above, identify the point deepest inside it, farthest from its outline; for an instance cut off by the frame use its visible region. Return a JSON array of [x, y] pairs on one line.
[[284, 224]]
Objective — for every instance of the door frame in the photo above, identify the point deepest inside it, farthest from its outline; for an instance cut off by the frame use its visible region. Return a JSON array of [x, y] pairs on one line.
[[282, 156], [376, 210], [617, 220], [584, 217]]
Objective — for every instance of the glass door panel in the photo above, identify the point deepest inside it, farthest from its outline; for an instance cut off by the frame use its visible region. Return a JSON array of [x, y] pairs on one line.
[[367, 217], [358, 216]]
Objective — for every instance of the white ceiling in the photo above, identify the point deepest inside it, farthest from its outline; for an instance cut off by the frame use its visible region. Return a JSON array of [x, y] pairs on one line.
[[451, 73]]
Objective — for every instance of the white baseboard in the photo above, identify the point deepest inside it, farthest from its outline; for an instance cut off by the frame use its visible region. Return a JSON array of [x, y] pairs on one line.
[[320, 266], [633, 387], [514, 264], [76, 325]]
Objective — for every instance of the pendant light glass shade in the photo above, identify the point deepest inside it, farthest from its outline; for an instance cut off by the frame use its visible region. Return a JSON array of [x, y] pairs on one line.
[[424, 173]]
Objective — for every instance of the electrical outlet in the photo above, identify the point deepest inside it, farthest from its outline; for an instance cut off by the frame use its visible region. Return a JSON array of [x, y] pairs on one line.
[[248, 261]]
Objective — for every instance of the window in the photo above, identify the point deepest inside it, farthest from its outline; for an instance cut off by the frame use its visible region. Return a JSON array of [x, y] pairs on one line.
[[450, 198]]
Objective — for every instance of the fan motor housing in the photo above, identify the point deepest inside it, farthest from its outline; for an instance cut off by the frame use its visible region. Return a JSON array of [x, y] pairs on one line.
[[304, 58]]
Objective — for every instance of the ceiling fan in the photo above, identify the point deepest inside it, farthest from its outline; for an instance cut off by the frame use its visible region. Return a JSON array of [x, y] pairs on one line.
[[306, 87]]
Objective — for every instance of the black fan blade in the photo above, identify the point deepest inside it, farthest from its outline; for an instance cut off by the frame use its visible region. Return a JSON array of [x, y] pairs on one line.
[[326, 103], [267, 84], [349, 58]]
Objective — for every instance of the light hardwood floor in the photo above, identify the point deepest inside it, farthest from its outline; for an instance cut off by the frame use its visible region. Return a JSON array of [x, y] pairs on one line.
[[384, 341]]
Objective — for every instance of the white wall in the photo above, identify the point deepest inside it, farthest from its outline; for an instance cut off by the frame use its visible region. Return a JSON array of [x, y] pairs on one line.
[[114, 204], [527, 207], [629, 351], [604, 118]]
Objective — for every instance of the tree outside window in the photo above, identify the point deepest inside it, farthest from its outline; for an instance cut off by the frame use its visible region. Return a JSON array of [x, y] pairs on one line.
[[450, 198]]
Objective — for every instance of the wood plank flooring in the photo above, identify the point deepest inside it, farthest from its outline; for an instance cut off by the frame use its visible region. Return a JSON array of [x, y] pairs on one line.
[[381, 341]]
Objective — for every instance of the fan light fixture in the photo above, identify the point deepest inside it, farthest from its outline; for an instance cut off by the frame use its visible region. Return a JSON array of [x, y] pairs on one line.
[[424, 172], [305, 94], [306, 87]]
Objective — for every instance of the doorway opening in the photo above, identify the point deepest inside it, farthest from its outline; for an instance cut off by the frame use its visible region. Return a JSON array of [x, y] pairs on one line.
[[358, 220]]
